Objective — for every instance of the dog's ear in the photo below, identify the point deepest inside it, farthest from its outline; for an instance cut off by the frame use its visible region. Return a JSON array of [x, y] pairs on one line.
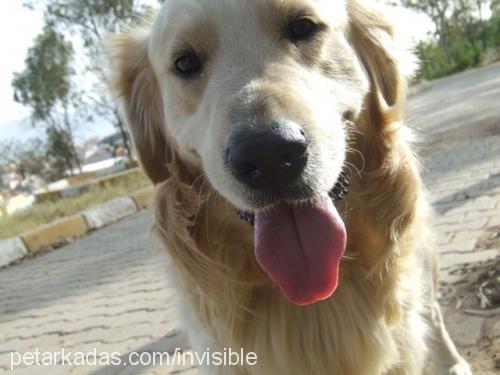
[[385, 58], [134, 81]]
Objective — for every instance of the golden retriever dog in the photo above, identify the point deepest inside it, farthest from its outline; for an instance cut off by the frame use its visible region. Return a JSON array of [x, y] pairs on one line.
[[252, 117]]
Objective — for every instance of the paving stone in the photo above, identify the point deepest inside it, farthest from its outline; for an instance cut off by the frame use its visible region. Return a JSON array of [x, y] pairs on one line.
[[496, 329], [467, 235], [81, 298], [494, 221], [482, 203], [450, 219], [448, 278], [26, 344], [465, 329], [443, 239], [452, 259], [469, 225], [5, 361], [40, 370], [485, 214], [459, 247]]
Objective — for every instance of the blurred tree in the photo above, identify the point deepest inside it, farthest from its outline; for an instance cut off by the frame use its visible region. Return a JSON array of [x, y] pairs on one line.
[[25, 158], [491, 29], [470, 38], [3, 183], [495, 7], [466, 20], [91, 20], [437, 11], [45, 86], [59, 152], [479, 6], [31, 160]]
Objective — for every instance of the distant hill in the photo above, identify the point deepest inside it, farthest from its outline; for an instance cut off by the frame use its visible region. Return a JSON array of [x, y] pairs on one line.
[[19, 130], [22, 130]]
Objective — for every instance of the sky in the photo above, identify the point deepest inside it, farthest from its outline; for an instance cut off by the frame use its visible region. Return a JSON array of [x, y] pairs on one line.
[[19, 26]]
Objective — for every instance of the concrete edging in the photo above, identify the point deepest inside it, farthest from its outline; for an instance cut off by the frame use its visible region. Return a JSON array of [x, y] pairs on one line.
[[143, 198], [57, 232], [69, 228], [109, 212], [11, 250]]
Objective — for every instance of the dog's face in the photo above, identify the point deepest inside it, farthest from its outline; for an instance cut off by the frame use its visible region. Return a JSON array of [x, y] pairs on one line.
[[258, 96], [257, 93]]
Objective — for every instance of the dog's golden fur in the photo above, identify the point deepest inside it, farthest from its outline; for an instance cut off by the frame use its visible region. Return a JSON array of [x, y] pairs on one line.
[[383, 314]]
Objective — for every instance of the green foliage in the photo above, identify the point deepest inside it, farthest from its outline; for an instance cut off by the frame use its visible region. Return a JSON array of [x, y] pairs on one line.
[[435, 64], [490, 33], [91, 20], [45, 83], [495, 7], [48, 83], [464, 36], [430, 7], [60, 152]]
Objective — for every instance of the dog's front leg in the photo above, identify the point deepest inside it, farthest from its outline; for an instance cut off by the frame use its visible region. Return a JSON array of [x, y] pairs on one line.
[[446, 359]]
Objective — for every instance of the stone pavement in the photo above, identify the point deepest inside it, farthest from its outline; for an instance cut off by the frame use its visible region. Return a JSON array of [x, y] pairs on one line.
[[110, 290], [458, 125], [464, 182], [107, 291]]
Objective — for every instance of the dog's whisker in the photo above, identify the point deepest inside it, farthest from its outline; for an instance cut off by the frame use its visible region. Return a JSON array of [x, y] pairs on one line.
[[350, 258], [206, 215], [200, 194], [362, 157], [352, 169]]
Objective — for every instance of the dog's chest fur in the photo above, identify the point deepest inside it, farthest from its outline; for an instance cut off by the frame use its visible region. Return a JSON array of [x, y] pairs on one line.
[[371, 325]]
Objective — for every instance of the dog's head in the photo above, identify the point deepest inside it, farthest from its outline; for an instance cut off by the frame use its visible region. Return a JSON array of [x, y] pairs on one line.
[[258, 96]]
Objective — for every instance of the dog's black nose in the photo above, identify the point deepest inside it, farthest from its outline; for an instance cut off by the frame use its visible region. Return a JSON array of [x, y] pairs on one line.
[[268, 158]]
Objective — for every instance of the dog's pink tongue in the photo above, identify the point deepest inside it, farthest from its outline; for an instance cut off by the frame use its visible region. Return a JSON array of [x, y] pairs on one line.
[[300, 249]]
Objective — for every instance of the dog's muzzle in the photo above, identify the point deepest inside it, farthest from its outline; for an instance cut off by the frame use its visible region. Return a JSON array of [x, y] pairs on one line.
[[338, 193], [268, 158]]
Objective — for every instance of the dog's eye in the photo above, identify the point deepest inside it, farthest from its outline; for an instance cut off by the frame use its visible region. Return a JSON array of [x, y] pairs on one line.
[[188, 65], [302, 28]]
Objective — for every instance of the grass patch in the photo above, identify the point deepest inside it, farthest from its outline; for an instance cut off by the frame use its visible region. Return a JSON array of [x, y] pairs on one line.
[[46, 212]]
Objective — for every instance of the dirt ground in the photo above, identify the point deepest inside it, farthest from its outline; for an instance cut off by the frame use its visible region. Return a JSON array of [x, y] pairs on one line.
[[478, 294]]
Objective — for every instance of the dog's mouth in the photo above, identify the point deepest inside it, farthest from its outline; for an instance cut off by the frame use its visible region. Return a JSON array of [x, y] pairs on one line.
[[300, 246]]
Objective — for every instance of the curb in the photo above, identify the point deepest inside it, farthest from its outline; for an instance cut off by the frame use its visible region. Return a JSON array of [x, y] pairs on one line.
[[11, 250], [143, 198], [109, 212], [58, 232], [67, 229]]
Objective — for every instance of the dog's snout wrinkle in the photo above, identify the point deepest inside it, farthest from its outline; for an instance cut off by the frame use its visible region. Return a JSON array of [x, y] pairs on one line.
[[268, 158]]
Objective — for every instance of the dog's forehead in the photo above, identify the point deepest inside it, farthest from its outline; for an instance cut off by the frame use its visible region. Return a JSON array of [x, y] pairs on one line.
[[234, 20], [245, 8]]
